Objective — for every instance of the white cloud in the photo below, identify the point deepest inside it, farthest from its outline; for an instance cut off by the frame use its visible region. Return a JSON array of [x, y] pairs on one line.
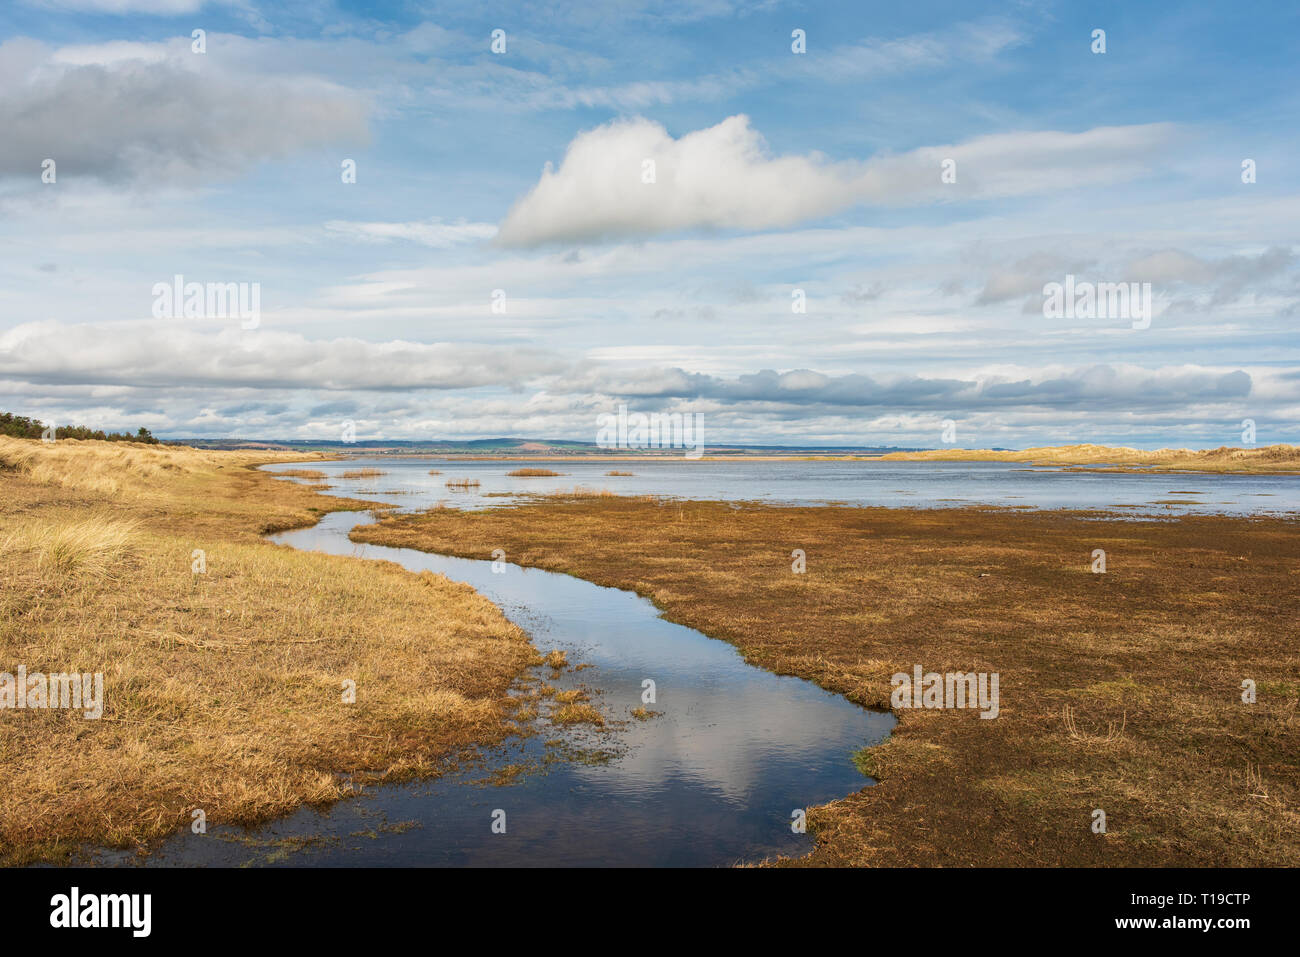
[[159, 113], [156, 7], [1108, 386], [162, 355], [723, 177], [434, 233]]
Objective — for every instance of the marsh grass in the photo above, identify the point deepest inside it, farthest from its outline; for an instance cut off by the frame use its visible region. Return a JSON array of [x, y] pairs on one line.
[[533, 473], [94, 545], [222, 690], [577, 714], [1119, 691]]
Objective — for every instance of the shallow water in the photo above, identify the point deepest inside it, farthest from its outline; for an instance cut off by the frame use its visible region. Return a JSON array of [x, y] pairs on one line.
[[715, 777], [900, 484], [712, 780]]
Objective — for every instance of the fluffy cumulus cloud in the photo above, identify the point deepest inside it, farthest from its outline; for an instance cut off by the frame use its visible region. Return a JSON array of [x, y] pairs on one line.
[[158, 113], [725, 177]]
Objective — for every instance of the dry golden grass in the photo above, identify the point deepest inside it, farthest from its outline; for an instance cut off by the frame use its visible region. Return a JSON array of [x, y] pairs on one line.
[[533, 473], [462, 483], [1271, 458], [106, 468], [1119, 691], [580, 491], [222, 690], [92, 545], [363, 473], [577, 714]]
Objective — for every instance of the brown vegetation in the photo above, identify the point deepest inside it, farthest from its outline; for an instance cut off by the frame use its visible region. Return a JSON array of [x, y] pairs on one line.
[[223, 686], [1119, 691]]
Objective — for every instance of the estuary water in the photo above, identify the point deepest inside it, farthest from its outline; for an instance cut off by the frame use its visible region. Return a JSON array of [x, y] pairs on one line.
[[731, 754], [898, 484]]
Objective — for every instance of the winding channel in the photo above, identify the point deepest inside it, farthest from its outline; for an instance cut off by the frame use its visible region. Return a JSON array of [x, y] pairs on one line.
[[713, 779]]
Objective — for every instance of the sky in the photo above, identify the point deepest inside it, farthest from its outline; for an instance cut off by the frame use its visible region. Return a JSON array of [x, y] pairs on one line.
[[660, 205]]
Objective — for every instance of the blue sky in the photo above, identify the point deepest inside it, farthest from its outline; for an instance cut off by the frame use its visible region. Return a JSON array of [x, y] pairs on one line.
[[775, 172]]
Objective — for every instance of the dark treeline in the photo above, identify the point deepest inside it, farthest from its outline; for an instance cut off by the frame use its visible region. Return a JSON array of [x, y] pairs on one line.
[[21, 427]]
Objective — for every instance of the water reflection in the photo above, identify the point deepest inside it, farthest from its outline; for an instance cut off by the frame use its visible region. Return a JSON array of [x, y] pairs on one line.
[[711, 781]]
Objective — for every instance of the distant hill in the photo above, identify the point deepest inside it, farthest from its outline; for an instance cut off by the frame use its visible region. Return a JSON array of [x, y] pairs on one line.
[[517, 446]]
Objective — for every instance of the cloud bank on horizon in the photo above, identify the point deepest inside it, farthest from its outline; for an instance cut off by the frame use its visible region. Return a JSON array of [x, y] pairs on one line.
[[813, 226]]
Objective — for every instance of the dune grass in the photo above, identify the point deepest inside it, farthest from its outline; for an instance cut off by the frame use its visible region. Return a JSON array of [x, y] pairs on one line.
[[1271, 458], [1120, 691], [92, 545], [224, 657]]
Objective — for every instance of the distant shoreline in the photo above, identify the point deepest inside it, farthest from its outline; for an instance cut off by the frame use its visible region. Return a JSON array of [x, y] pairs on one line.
[[1268, 460]]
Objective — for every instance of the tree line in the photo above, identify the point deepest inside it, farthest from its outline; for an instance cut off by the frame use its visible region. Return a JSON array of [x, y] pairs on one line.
[[22, 427]]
